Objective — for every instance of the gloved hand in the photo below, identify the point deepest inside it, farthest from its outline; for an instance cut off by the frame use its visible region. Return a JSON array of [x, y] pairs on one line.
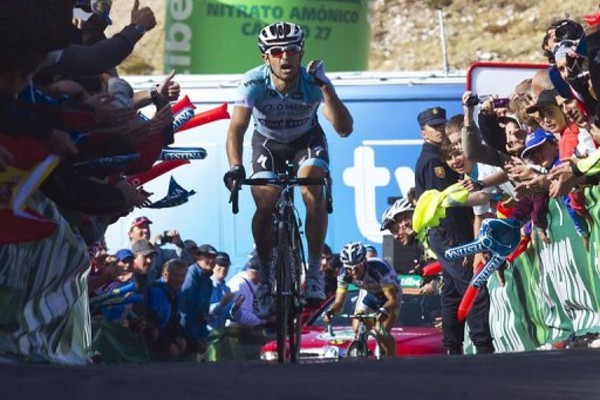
[[329, 314], [234, 176], [382, 315], [316, 68]]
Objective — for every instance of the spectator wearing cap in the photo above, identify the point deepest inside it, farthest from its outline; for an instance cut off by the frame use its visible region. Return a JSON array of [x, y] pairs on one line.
[[245, 283], [196, 292], [221, 300], [371, 251], [115, 271], [140, 229], [551, 117], [571, 141], [145, 254], [165, 335], [431, 172], [541, 150]]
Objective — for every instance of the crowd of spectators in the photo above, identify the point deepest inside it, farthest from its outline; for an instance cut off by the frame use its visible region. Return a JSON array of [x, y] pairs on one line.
[[68, 120], [64, 106], [538, 144]]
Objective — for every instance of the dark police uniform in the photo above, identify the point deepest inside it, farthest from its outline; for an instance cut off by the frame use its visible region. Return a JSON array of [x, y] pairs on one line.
[[431, 172]]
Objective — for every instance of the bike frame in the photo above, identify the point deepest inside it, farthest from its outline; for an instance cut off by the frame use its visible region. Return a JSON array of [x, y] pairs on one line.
[[288, 258]]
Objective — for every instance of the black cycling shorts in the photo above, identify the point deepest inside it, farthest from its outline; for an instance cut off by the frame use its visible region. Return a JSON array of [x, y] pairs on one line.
[[269, 156]]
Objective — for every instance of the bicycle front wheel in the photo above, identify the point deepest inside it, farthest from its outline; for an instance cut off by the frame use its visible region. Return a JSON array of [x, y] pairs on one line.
[[357, 349], [297, 300], [283, 292]]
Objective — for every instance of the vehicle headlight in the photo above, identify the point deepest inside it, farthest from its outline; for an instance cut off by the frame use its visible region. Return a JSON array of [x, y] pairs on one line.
[[333, 352], [268, 355]]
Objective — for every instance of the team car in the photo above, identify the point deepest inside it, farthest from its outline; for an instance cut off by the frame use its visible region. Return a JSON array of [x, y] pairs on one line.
[[414, 332]]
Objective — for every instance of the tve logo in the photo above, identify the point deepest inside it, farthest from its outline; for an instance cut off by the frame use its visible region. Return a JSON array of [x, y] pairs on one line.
[[365, 176]]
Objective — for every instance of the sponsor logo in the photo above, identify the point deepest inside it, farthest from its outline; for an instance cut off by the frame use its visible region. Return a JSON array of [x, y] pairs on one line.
[[262, 160], [440, 172], [183, 155], [489, 268], [183, 117]]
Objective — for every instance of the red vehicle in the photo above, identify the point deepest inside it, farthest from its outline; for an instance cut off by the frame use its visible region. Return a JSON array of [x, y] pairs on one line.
[[415, 334]]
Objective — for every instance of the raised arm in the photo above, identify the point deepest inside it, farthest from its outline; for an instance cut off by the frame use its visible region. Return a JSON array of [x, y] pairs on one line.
[[473, 147], [334, 110]]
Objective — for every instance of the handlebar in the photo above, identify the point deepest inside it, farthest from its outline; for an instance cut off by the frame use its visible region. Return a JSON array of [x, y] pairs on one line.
[[284, 181], [362, 318]]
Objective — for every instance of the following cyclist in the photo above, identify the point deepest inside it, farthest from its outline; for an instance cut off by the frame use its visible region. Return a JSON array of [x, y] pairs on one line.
[[380, 292], [283, 98]]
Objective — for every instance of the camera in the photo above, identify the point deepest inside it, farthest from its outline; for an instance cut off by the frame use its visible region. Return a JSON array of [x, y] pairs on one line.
[[474, 100], [579, 74], [567, 29], [166, 238]]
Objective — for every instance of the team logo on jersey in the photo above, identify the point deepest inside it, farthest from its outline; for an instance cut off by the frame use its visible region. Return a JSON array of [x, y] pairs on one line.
[[296, 95], [440, 172], [262, 160]]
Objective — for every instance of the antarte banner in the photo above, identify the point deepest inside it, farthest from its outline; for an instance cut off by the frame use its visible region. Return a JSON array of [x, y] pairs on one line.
[[176, 196]]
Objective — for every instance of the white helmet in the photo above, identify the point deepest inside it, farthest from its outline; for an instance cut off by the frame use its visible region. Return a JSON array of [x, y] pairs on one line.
[[353, 253], [399, 207], [280, 34]]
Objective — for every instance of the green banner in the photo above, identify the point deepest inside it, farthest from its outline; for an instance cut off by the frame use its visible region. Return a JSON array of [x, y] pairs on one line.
[[551, 291], [220, 36]]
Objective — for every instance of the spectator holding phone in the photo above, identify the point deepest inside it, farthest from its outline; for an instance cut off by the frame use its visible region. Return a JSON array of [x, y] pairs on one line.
[[140, 229]]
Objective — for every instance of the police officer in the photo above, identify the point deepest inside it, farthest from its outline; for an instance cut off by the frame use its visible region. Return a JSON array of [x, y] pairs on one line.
[[432, 173]]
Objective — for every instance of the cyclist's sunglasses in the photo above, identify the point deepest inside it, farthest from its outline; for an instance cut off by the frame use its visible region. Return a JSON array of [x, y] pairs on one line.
[[351, 267], [277, 51]]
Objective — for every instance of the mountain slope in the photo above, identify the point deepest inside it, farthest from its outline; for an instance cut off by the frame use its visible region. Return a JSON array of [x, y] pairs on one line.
[[405, 34]]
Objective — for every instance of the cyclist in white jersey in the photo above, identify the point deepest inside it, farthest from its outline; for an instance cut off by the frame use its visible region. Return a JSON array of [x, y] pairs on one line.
[[380, 291], [283, 98]]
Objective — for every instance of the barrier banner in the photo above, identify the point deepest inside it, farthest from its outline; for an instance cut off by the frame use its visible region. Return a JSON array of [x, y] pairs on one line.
[[552, 291]]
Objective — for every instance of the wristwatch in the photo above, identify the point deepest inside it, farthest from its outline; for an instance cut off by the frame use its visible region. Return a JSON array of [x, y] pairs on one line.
[[155, 97], [139, 28]]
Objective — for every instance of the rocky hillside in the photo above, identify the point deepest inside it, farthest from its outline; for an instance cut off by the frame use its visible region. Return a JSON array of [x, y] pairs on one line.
[[406, 35]]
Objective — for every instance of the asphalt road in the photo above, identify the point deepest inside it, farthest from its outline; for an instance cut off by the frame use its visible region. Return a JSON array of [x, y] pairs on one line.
[[567, 374]]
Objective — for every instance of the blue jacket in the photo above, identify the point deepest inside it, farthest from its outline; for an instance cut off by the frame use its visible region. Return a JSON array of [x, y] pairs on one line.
[[218, 315], [194, 302], [159, 301]]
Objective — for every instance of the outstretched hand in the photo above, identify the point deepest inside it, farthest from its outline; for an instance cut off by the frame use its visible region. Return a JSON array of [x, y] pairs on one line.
[[142, 16], [563, 177], [169, 90], [316, 68]]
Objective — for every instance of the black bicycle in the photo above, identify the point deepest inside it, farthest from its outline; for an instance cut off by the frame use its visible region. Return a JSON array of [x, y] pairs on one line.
[[288, 259], [359, 346]]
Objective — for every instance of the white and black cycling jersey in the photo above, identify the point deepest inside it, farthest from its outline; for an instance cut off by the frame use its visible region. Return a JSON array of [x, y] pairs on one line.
[[379, 275], [281, 117]]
